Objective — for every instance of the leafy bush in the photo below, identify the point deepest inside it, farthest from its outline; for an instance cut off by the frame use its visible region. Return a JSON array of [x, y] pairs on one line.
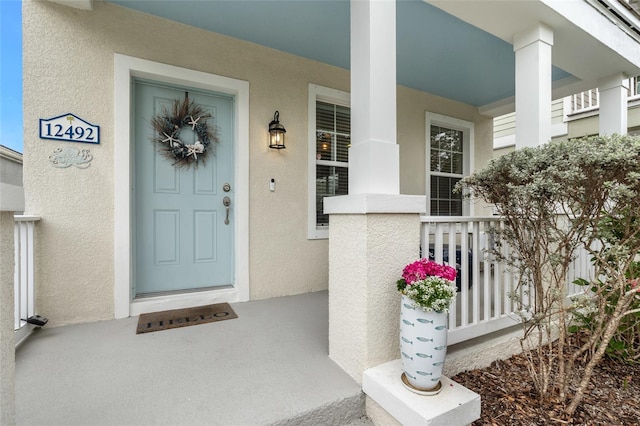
[[625, 342], [558, 198]]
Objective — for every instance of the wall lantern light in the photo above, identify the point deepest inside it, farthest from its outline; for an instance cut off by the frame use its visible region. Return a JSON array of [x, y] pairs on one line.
[[276, 133]]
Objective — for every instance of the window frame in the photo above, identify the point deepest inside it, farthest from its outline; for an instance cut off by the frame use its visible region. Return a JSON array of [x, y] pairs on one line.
[[332, 96], [468, 129]]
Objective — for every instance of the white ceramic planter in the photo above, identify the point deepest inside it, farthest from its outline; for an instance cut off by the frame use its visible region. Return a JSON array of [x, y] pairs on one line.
[[423, 347]]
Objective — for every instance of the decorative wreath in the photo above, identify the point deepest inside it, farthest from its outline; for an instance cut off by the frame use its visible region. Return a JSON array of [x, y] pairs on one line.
[[167, 126]]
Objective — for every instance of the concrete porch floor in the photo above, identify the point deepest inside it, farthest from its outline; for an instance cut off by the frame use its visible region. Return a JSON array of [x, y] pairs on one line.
[[269, 366]]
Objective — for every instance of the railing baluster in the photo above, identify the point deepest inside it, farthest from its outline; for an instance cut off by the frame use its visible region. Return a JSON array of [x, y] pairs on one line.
[[438, 243], [464, 275], [24, 275], [424, 240], [507, 276], [24, 271], [452, 255], [30, 271], [497, 300], [16, 277], [475, 271], [486, 273]]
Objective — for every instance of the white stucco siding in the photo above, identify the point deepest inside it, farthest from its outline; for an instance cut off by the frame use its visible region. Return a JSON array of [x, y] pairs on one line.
[[7, 334], [69, 67], [364, 333], [65, 69]]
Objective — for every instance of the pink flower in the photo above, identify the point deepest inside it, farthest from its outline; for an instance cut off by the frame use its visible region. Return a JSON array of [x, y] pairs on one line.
[[423, 268], [635, 284]]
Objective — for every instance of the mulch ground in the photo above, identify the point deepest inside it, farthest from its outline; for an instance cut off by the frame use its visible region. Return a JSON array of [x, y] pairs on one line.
[[508, 396]]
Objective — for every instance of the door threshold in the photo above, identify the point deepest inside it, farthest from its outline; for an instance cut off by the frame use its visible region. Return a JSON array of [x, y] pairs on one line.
[[156, 302], [179, 292]]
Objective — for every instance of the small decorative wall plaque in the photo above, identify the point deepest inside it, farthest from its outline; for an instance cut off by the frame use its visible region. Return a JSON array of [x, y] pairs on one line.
[[69, 128], [70, 156]]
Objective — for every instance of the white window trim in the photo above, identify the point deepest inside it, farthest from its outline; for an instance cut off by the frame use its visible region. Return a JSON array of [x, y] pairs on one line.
[[468, 130], [334, 96]]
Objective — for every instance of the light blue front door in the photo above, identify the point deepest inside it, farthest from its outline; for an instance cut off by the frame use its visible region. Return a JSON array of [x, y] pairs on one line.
[[183, 237]]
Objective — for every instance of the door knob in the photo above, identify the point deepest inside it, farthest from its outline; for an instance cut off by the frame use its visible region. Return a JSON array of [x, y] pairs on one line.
[[226, 201]]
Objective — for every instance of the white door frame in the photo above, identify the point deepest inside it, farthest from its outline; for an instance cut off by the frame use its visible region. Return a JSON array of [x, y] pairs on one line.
[[125, 69]]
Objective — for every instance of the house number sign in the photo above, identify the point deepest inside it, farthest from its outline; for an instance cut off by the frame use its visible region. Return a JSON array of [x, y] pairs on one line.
[[69, 128]]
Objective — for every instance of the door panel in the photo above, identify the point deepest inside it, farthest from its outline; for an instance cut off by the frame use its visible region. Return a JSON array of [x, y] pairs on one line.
[[205, 181], [166, 178], [205, 236], [181, 239], [166, 241]]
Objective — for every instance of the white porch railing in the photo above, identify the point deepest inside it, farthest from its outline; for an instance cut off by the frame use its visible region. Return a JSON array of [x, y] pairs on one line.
[[24, 282], [590, 99], [483, 304]]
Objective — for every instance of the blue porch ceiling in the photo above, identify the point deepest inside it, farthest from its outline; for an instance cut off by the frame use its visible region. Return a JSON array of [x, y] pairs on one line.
[[436, 52]]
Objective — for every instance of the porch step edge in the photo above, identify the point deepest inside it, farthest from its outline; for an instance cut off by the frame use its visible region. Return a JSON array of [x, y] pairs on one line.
[[342, 412]]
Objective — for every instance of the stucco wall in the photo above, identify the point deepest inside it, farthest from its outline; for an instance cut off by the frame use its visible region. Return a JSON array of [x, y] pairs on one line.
[[364, 307], [412, 105], [68, 67], [7, 339]]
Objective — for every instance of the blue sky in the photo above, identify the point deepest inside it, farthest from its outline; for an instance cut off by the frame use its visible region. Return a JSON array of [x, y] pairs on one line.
[[11, 74]]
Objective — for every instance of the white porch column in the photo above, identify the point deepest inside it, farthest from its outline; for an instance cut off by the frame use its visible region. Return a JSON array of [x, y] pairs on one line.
[[533, 86], [7, 339], [613, 104], [373, 232], [374, 154]]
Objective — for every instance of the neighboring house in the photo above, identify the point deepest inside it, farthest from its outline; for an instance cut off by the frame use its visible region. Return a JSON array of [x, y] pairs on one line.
[[572, 117], [386, 106], [11, 192]]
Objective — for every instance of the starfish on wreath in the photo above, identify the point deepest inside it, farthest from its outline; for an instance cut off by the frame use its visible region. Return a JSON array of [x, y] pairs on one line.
[[183, 113], [195, 149], [193, 122], [170, 140]]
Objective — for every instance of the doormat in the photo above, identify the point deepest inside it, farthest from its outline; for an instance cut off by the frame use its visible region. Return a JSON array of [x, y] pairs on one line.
[[165, 320]]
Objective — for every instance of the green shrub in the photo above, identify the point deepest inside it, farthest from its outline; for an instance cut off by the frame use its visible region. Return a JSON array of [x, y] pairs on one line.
[[555, 199]]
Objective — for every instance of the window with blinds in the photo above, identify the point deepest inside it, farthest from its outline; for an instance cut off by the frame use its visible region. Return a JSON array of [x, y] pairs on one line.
[[447, 168], [333, 132]]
